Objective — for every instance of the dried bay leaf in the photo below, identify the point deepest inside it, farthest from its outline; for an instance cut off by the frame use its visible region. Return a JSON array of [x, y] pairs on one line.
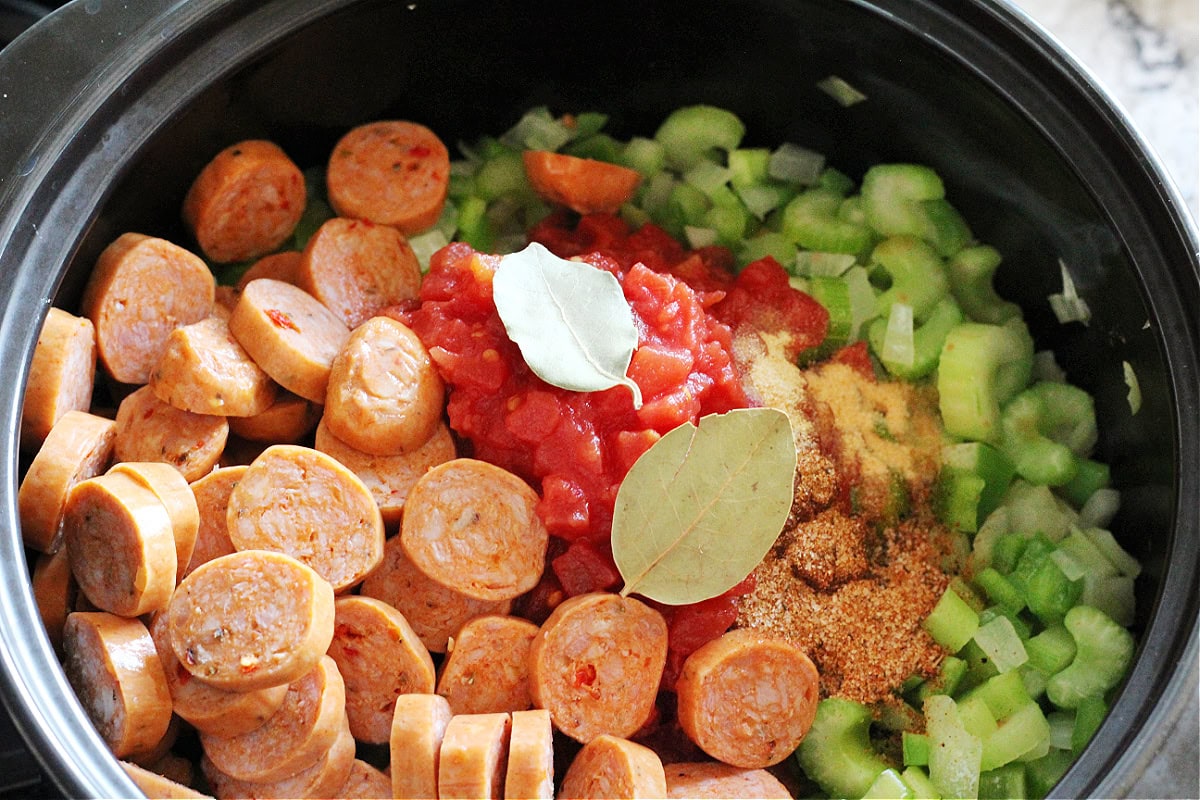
[[702, 507], [570, 320]]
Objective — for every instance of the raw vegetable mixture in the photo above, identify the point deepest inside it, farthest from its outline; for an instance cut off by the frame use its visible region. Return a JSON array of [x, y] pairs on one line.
[[737, 394]]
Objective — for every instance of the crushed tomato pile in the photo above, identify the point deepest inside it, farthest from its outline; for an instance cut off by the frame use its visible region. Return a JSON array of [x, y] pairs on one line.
[[577, 447]]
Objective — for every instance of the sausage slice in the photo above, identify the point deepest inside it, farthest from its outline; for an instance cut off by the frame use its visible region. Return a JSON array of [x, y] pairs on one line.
[[61, 375], [177, 498], [530, 771], [418, 726], [473, 756], [204, 370], [150, 430], [365, 783], [320, 780], [212, 502], [584, 185], [487, 668], [159, 786], [611, 767], [711, 779]]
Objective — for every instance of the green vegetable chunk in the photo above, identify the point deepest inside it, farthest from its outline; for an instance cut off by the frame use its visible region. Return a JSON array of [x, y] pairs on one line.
[[952, 622], [1046, 429], [811, 221], [909, 199], [980, 368], [927, 340], [888, 785], [1103, 653], [693, 133], [837, 752], [954, 754], [971, 272]]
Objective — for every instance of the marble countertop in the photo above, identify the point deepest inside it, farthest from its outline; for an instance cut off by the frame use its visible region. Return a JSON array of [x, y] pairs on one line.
[[1144, 53]]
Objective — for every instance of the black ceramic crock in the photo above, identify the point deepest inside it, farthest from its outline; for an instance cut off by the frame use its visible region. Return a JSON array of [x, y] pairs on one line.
[[108, 109]]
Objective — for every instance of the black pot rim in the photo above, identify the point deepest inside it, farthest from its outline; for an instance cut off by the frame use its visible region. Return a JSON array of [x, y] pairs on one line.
[[158, 36]]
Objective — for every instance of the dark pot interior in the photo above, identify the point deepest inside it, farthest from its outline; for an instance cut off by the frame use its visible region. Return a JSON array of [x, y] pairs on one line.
[[1033, 155]]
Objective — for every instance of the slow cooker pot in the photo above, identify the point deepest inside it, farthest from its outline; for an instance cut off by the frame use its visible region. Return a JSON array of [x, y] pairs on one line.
[[108, 109]]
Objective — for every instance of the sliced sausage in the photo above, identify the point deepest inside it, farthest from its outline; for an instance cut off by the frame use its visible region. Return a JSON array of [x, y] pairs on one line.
[[289, 334], [283, 266], [702, 779], [111, 664], [612, 767], [596, 665], [286, 421], [435, 612], [392, 172], [487, 668], [155, 785], [473, 756], [389, 478], [530, 771], [474, 527], [54, 591], [121, 544], [418, 725], [355, 268], [245, 202], [61, 375], [79, 447], [150, 430], [380, 658], [140, 290], [160, 749], [204, 370], [584, 185], [299, 501], [295, 737], [321, 779], [210, 710], [250, 620], [747, 699], [365, 783], [177, 497], [385, 396], [212, 502]]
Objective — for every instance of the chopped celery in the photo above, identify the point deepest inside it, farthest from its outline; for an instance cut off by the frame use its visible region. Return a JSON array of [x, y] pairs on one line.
[[596, 146], [918, 780], [945, 228], [1089, 556], [810, 220], [1003, 783], [691, 133], [894, 194], [987, 462], [1125, 563], [1088, 716], [1003, 694], [977, 719], [775, 245], [1007, 550], [1041, 774], [837, 752], [500, 175], [1103, 652], [955, 754], [815, 263], [888, 785], [971, 272], [707, 176], [1035, 509], [1113, 595], [537, 129], [999, 590], [1024, 629], [926, 340], [834, 295], [917, 275], [952, 622], [949, 676], [424, 245], [914, 748], [473, 227], [748, 166], [1046, 429], [836, 180], [1049, 593], [1062, 728], [981, 367], [647, 156], [1052, 650], [1100, 508], [1023, 730], [1090, 477], [957, 498], [761, 199], [792, 163]]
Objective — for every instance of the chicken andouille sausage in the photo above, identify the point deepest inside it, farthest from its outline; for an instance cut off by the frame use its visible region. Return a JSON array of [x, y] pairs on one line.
[[584, 185], [245, 202], [391, 172], [418, 727], [111, 663], [299, 501], [177, 497], [160, 749], [365, 783], [206, 708], [320, 780], [159, 786], [613, 767], [473, 756], [288, 420], [204, 370], [474, 527], [295, 737], [251, 620], [150, 430], [282, 266], [530, 771], [694, 780], [746, 698], [356, 268], [385, 396], [487, 668], [380, 658], [434, 611], [212, 502], [121, 544], [140, 290], [54, 591], [289, 334], [61, 375], [389, 478], [596, 665], [79, 447]]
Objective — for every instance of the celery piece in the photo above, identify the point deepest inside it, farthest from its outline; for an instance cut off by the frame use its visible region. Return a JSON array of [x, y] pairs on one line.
[[927, 340], [956, 498], [834, 179], [980, 367], [1046, 429], [1024, 729], [894, 194], [834, 295], [1062, 728], [1041, 774], [729, 222], [425, 244], [655, 194], [977, 719], [761, 199], [765, 244], [918, 780], [952, 622], [810, 220], [596, 146], [979, 667], [1007, 550], [692, 133], [588, 123], [829, 265], [989, 463], [473, 227], [837, 752], [500, 175], [1052, 650], [945, 228], [1036, 509], [1003, 783], [686, 206], [1089, 714], [1113, 595], [792, 163], [1003, 694], [1125, 563], [1090, 477], [647, 156], [707, 176], [1034, 679], [916, 272], [999, 590], [748, 166], [971, 272], [1024, 629], [1084, 550], [954, 754], [698, 237], [950, 674], [1049, 593], [888, 785], [1103, 653], [999, 639], [915, 748], [1100, 508], [862, 299]]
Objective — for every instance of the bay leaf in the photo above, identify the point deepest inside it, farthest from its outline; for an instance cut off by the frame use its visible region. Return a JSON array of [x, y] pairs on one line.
[[702, 507], [570, 320]]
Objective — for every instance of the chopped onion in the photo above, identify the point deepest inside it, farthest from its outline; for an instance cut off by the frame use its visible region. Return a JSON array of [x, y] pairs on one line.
[[699, 237], [841, 91], [1071, 566], [537, 129], [1135, 388], [707, 176], [898, 347], [759, 200], [1107, 544], [1099, 509], [795, 164], [1067, 305], [1002, 644], [1046, 368], [816, 263]]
